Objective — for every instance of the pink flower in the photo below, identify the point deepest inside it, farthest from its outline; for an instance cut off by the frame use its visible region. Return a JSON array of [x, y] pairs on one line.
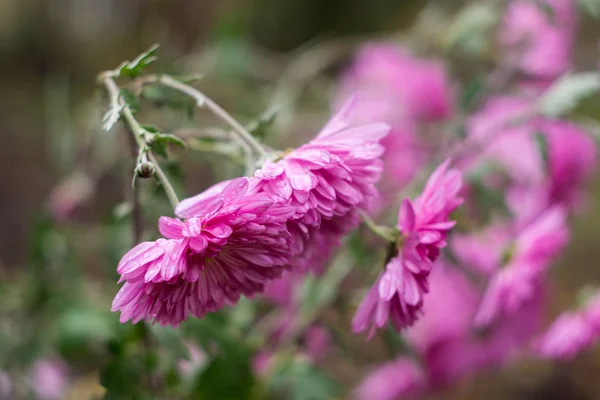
[[234, 244], [5, 385], [515, 267], [572, 160], [391, 380], [196, 360], [326, 182], [49, 379], [504, 142], [317, 342], [262, 363], [398, 84], [398, 293], [541, 42], [572, 332], [445, 339], [567, 337], [403, 91]]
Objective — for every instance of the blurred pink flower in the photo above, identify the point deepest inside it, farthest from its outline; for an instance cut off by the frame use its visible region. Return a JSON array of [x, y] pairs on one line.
[[572, 332], [262, 363], [540, 41], [572, 160], [515, 266], [5, 386], [398, 85], [196, 360], [403, 91], [326, 182], [70, 194], [317, 342], [446, 341], [398, 293], [567, 337], [49, 379], [235, 245], [391, 380], [502, 141]]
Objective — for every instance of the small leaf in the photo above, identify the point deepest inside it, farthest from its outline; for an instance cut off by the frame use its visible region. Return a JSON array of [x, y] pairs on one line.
[[150, 128], [133, 69], [110, 118], [160, 142], [170, 139], [259, 127], [566, 93], [131, 100], [470, 29]]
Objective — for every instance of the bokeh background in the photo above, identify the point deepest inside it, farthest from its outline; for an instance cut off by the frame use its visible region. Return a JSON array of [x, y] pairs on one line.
[[53, 254]]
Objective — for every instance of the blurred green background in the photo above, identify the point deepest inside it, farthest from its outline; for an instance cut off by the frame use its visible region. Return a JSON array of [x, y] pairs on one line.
[[50, 111]]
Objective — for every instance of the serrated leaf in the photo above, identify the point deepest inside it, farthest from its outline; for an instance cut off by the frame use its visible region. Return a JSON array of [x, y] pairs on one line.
[[133, 69], [566, 93], [111, 117]]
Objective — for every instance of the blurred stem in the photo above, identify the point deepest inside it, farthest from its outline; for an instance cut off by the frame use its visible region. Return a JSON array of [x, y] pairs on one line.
[[138, 221], [384, 232], [137, 131], [203, 100]]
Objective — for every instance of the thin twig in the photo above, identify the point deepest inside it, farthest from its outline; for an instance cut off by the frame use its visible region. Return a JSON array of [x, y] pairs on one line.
[[138, 220], [383, 232], [137, 131], [217, 110], [163, 178]]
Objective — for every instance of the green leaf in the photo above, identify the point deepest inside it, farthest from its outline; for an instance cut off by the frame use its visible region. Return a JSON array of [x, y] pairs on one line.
[[590, 7], [160, 142], [489, 201], [133, 69], [171, 339], [566, 93], [297, 379], [131, 100], [227, 377], [111, 117], [259, 127], [471, 28]]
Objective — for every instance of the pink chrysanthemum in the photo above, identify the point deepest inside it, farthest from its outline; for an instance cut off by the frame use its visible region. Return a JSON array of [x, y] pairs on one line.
[[515, 265], [326, 182], [234, 244], [391, 380], [445, 339], [540, 42], [572, 332], [398, 293], [405, 92]]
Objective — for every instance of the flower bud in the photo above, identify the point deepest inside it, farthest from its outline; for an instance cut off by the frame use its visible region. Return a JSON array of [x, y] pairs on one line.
[[145, 169]]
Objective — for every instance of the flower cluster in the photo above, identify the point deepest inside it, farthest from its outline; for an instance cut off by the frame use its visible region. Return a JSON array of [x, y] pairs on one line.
[[241, 234]]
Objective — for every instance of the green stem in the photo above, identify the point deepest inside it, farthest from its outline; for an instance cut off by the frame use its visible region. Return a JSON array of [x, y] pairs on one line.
[[383, 232], [138, 133], [217, 110]]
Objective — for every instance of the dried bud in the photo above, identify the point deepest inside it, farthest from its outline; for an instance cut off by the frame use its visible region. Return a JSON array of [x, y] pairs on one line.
[[145, 169]]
